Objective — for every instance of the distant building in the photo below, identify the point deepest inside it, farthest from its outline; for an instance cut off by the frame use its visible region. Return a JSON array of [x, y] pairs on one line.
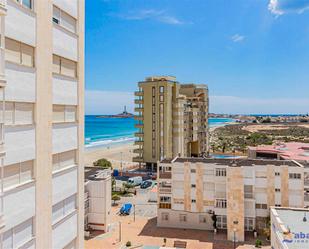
[[289, 228], [42, 123], [97, 198], [172, 120], [239, 192]]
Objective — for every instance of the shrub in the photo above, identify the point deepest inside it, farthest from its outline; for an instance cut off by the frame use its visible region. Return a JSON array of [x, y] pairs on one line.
[[258, 243], [104, 163], [115, 198], [128, 244]]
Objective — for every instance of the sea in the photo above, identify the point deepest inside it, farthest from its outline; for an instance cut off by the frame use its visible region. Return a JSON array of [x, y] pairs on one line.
[[110, 132]]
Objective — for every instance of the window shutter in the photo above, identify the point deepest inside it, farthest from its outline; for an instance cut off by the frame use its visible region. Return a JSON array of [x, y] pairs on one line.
[[58, 113], [12, 50], [68, 22], [68, 67], [11, 176], [23, 113], [27, 55], [70, 113], [56, 64], [23, 233], [9, 113], [67, 158], [26, 171]]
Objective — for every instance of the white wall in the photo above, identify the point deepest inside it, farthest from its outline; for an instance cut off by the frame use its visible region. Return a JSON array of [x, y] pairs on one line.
[[69, 6], [64, 232], [20, 83], [64, 137], [64, 184], [19, 144], [65, 43], [19, 205], [64, 90], [25, 30]]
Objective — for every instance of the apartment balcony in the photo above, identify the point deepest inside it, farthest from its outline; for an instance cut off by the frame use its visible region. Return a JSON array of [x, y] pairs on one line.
[[139, 93], [86, 196], [138, 109], [165, 205], [139, 101], [2, 223], [139, 117], [2, 7], [165, 175], [139, 126], [165, 190], [138, 151], [2, 67], [139, 134], [138, 159], [139, 142]]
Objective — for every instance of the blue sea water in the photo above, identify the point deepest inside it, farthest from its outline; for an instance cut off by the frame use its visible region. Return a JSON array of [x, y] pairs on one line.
[[106, 132]]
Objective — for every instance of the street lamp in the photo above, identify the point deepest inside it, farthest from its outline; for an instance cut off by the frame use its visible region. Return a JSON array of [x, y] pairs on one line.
[[234, 240]]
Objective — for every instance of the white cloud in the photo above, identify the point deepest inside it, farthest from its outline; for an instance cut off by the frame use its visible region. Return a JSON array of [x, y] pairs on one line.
[[237, 38], [111, 102], [152, 14], [280, 7]]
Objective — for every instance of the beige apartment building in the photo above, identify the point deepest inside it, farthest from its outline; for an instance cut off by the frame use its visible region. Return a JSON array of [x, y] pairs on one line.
[[238, 192], [42, 119], [172, 120]]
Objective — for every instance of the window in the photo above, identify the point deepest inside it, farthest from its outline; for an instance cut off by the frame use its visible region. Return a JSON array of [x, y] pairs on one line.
[[178, 201], [248, 190], [63, 208], [19, 235], [19, 53], [17, 174], [277, 189], [64, 66], [193, 171], [183, 218], [161, 89], [221, 221], [64, 159], [18, 113], [25, 3], [260, 206], [161, 98], [193, 186], [277, 173], [221, 203], [193, 201], [63, 113], [164, 216], [165, 199], [203, 219], [277, 205], [249, 224], [220, 172], [64, 20], [295, 176]]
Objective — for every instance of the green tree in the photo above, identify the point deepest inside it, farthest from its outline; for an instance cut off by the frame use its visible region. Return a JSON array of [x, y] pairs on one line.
[[127, 187], [104, 163], [115, 198]]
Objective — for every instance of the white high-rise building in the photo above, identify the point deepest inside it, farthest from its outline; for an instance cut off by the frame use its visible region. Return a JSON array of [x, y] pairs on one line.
[[41, 130]]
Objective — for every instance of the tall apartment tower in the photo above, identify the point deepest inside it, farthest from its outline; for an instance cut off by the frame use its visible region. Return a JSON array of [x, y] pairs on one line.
[[172, 120], [41, 130]]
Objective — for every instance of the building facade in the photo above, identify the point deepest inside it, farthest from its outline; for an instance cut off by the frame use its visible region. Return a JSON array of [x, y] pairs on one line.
[[42, 136], [98, 196], [172, 120], [237, 194], [289, 228]]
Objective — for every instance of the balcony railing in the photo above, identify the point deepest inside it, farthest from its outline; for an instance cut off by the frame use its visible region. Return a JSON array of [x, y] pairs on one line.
[[248, 195], [165, 175], [138, 151], [139, 93], [165, 205], [139, 117], [138, 159], [138, 109], [139, 134], [139, 142], [139, 126], [165, 190]]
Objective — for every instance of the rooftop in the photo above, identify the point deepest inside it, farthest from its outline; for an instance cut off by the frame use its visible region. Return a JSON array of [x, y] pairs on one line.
[[288, 151], [96, 174], [234, 162]]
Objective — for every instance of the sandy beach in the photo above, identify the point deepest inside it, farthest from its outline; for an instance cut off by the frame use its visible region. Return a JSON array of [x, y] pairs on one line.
[[114, 154]]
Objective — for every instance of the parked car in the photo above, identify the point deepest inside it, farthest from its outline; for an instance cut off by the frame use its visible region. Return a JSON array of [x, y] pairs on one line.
[[146, 184], [135, 181], [126, 209]]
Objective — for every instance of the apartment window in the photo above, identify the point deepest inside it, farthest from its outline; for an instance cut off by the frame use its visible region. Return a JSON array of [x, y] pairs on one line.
[[193, 201], [17, 174], [19, 235], [277, 189], [248, 190], [277, 205], [260, 206], [19, 53], [165, 199], [161, 89], [221, 221], [178, 201], [203, 219], [193, 171], [64, 66], [277, 173], [161, 98], [18, 113], [25, 3], [183, 218], [249, 224], [193, 186], [164, 216], [220, 172], [63, 113], [63, 208], [64, 159], [295, 176], [64, 20], [221, 203]]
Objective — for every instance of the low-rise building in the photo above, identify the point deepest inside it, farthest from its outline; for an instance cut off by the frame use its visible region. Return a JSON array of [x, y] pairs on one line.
[[289, 228], [236, 193], [97, 198]]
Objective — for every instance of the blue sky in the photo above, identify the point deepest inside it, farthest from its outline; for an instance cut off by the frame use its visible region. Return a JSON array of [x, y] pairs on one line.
[[253, 54]]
